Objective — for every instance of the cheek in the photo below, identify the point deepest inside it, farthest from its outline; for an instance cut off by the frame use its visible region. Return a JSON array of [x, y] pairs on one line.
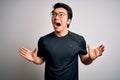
[[64, 21], [52, 20]]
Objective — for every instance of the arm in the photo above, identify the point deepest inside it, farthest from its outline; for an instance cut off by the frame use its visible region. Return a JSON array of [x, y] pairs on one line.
[[92, 54], [31, 55]]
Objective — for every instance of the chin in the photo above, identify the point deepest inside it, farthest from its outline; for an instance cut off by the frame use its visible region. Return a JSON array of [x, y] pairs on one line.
[[57, 30]]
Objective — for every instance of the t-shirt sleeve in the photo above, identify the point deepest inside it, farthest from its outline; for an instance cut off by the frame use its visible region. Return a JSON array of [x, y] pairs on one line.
[[41, 51], [83, 49]]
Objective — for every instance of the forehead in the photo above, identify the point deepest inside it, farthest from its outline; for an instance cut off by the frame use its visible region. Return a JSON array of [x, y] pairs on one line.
[[58, 10]]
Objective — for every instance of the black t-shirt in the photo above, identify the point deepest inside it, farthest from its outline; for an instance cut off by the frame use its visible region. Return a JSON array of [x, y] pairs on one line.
[[61, 55]]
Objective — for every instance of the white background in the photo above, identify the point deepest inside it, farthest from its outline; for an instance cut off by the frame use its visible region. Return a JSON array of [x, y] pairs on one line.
[[23, 22]]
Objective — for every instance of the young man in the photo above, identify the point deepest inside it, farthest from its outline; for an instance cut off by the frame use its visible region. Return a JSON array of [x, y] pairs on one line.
[[60, 49]]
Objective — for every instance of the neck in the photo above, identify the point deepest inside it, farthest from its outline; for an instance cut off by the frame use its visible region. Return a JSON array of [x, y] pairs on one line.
[[61, 34]]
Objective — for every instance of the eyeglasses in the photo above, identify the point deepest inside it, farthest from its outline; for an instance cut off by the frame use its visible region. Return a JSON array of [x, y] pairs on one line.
[[60, 14]]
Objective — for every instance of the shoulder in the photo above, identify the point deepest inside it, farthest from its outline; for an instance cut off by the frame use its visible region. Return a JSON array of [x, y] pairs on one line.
[[76, 36], [46, 37]]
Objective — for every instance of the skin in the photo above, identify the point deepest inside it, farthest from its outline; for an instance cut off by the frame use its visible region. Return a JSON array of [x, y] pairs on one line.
[[60, 31]]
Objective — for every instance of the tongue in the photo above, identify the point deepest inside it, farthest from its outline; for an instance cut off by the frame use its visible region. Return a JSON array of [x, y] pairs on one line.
[[58, 24]]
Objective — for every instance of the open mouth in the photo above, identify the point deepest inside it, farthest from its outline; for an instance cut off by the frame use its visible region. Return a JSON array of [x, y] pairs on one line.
[[57, 24]]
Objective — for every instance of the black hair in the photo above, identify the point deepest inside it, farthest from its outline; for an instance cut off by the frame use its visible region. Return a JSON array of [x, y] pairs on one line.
[[66, 7]]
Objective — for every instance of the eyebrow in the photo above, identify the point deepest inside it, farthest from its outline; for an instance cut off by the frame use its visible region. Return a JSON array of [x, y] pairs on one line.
[[54, 12]]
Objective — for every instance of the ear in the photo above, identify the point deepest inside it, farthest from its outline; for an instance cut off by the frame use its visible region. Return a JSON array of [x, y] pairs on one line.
[[69, 21]]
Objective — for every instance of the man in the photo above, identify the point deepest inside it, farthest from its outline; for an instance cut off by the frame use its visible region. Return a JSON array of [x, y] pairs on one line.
[[60, 49]]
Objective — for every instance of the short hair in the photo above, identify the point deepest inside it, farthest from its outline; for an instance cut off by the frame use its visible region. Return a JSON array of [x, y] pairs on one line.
[[66, 7]]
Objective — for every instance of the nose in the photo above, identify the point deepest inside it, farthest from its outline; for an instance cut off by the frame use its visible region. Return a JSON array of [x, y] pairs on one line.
[[56, 17]]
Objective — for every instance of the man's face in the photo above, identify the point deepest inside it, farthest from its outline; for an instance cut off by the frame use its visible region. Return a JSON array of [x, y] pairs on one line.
[[60, 19]]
